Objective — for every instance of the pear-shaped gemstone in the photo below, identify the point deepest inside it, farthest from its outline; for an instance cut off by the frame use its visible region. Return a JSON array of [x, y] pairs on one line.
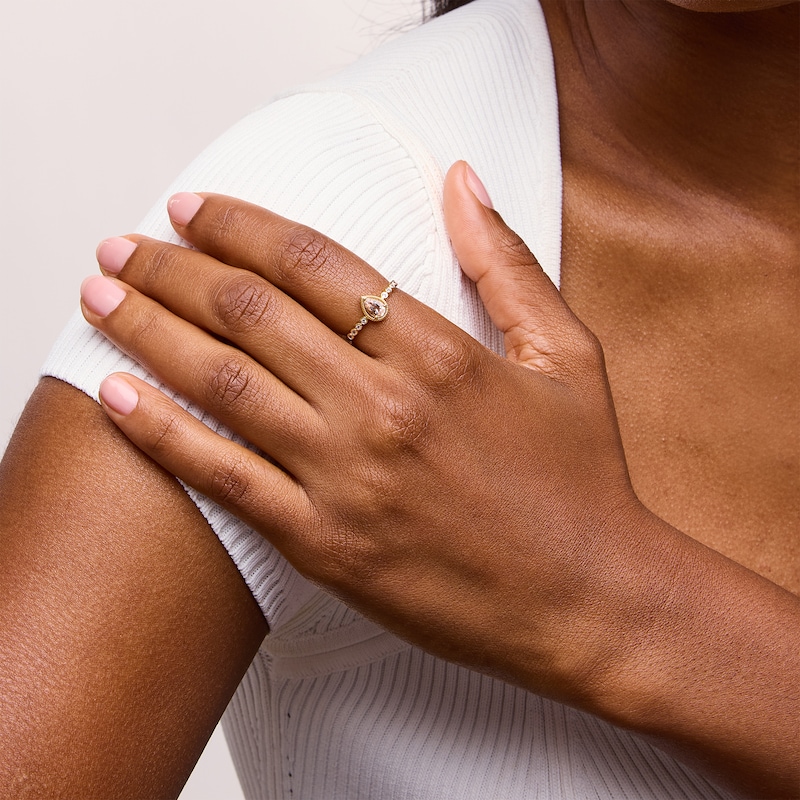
[[374, 308]]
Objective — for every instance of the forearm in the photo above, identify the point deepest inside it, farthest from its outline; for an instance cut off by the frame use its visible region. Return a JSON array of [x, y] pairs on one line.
[[125, 628], [706, 662]]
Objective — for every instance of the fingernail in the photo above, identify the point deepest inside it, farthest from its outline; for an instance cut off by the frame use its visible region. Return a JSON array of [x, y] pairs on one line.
[[113, 253], [183, 206], [101, 295], [476, 187], [119, 395]]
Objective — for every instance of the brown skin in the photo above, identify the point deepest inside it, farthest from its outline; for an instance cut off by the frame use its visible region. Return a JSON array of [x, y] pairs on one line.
[[681, 253], [676, 640], [124, 626]]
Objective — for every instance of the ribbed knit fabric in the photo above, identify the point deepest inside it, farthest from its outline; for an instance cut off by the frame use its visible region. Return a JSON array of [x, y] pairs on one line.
[[333, 706]]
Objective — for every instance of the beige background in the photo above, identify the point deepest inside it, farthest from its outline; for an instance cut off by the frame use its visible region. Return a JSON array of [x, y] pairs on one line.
[[101, 104]]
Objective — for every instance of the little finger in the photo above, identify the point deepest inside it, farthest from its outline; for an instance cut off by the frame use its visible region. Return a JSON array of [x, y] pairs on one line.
[[241, 481]]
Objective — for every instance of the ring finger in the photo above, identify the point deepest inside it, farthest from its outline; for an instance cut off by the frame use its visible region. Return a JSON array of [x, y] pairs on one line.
[[320, 274]]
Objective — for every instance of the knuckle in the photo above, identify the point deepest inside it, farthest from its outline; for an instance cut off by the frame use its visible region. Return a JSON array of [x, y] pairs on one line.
[[449, 360], [225, 224], [304, 253], [160, 439], [402, 421], [512, 249], [244, 303], [146, 328], [229, 481], [160, 259], [228, 383], [529, 345], [587, 348]]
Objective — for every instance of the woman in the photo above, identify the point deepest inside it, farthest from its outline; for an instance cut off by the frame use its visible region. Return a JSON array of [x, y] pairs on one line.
[[479, 507]]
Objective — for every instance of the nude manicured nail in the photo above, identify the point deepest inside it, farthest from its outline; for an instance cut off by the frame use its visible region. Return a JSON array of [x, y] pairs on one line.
[[112, 254], [101, 295], [477, 188], [183, 206], [119, 395]]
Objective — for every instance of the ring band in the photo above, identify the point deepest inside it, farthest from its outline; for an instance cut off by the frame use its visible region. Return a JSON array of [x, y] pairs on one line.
[[374, 309]]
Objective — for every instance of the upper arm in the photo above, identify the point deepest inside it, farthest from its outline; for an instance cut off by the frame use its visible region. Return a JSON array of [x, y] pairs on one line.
[[124, 626]]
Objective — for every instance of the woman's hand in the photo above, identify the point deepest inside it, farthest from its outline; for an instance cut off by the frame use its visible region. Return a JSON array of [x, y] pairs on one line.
[[478, 506]]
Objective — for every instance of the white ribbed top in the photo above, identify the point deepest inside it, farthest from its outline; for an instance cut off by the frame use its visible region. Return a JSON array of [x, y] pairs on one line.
[[333, 706]]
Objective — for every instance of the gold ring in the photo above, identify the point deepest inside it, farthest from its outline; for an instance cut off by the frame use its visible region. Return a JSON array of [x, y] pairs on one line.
[[373, 308]]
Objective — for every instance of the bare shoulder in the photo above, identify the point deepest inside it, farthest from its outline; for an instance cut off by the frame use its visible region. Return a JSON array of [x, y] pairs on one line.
[[124, 626]]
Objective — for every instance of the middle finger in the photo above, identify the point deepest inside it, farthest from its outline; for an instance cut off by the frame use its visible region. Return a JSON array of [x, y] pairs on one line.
[[238, 306]]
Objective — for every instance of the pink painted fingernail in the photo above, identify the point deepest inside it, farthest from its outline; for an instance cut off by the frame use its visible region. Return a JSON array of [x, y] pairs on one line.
[[476, 187], [119, 395], [183, 206], [101, 295], [113, 253]]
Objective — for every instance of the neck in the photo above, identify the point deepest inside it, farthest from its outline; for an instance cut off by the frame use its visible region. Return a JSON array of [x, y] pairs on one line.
[[707, 98]]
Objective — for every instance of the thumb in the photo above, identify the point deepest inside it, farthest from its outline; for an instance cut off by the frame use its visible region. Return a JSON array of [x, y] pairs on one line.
[[521, 300]]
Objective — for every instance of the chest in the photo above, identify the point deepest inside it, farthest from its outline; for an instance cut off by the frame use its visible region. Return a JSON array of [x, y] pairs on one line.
[[697, 311]]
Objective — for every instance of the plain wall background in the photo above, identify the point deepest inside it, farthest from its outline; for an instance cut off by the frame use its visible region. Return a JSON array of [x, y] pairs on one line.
[[101, 105]]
